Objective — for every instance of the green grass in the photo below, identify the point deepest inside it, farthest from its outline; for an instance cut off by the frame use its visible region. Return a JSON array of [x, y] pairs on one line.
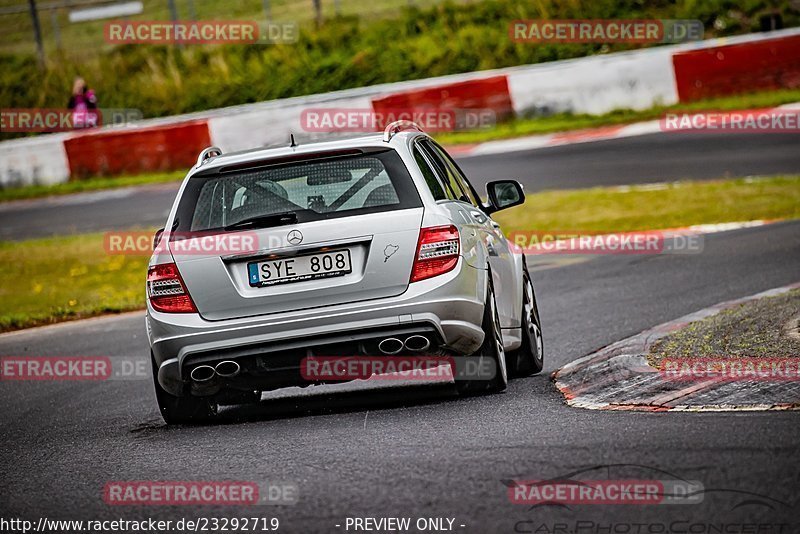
[[17, 35], [63, 278], [352, 50], [92, 184], [755, 329], [622, 209], [564, 121]]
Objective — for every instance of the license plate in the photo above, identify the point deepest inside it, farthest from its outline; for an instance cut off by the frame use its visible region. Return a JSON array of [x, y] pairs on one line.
[[299, 268]]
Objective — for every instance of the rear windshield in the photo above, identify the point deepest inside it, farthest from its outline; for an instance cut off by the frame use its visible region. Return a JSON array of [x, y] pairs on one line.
[[311, 189]]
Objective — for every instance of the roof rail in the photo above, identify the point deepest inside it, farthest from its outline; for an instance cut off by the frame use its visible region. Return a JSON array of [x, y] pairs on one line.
[[208, 153], [397, 127]]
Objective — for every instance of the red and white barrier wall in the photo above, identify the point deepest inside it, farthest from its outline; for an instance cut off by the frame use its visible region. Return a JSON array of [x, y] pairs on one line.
[[34, 160], [136, 150], [725, 70], [638, 79]]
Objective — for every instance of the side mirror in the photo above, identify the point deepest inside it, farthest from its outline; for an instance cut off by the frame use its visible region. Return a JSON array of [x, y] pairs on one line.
[[504, 194], [157, 238]]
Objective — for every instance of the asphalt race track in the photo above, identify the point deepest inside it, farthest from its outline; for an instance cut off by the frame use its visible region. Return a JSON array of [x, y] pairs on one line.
[[422, 451], [644, 159]]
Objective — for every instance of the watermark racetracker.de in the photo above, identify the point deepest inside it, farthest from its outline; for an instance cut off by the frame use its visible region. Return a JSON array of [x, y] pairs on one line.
[[420, 368], [683, 241], [188, 32], [598, 491], [365, 120], [730, 369], [73, 368], [49, 120], [746, 121], [142, 243], [636, 31], [593, 500], [199, 493]]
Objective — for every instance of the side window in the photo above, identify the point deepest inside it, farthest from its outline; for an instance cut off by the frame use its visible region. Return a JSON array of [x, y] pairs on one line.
[[451, 182], [458, 175], [430, 176]]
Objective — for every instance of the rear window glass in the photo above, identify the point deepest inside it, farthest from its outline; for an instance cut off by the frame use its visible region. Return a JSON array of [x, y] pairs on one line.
[[313, 189]]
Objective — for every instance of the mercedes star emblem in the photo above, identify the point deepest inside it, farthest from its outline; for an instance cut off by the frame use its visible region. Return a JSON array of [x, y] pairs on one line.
[[295, 237]]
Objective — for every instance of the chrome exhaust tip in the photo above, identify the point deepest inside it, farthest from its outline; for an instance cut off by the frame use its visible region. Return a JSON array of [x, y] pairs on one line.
[[390, 345], [227, 369], [202, 373], [417, 343]]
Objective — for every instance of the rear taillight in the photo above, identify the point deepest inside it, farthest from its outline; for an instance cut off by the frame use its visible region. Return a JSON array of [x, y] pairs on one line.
[[166, 290], [437, 252]]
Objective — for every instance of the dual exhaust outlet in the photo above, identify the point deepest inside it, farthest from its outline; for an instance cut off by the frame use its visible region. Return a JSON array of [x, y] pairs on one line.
[[205, 378], [393, 345]]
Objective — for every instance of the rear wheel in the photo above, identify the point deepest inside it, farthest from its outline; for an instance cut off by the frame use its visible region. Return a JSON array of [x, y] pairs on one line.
[[528, 359], [491, 349], [182, 410]]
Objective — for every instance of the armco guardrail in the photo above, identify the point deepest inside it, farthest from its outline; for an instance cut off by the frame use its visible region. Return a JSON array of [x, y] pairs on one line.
[[637, 79]]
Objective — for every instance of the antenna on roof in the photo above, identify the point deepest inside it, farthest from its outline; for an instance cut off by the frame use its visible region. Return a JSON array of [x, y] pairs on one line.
[[291, 138]]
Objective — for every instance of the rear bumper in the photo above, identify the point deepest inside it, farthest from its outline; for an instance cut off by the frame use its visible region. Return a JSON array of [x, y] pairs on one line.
[[448, 306]]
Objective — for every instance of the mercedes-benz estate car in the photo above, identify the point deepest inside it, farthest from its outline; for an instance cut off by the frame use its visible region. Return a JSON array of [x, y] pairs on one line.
[[377, 245]]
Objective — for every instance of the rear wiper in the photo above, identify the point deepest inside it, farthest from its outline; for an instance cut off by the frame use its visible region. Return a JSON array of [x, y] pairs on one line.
[[265, 221]]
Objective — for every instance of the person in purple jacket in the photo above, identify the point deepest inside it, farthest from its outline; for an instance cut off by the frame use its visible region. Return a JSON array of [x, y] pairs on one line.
[[83, 104]]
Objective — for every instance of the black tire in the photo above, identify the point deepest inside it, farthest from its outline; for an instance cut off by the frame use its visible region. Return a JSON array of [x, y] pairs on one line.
[[182, 410], [528, 359], [492, 348]]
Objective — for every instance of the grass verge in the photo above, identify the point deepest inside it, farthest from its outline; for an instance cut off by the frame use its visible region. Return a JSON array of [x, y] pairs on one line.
[[567, 121], [755, 329], [93, 184], [63, 278], [654, 206]]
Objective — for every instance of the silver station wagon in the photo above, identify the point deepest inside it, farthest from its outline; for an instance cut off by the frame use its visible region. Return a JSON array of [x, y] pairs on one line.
[[376, 246]]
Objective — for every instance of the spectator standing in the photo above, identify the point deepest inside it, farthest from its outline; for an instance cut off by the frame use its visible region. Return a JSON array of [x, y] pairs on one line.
[[83, 104]]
